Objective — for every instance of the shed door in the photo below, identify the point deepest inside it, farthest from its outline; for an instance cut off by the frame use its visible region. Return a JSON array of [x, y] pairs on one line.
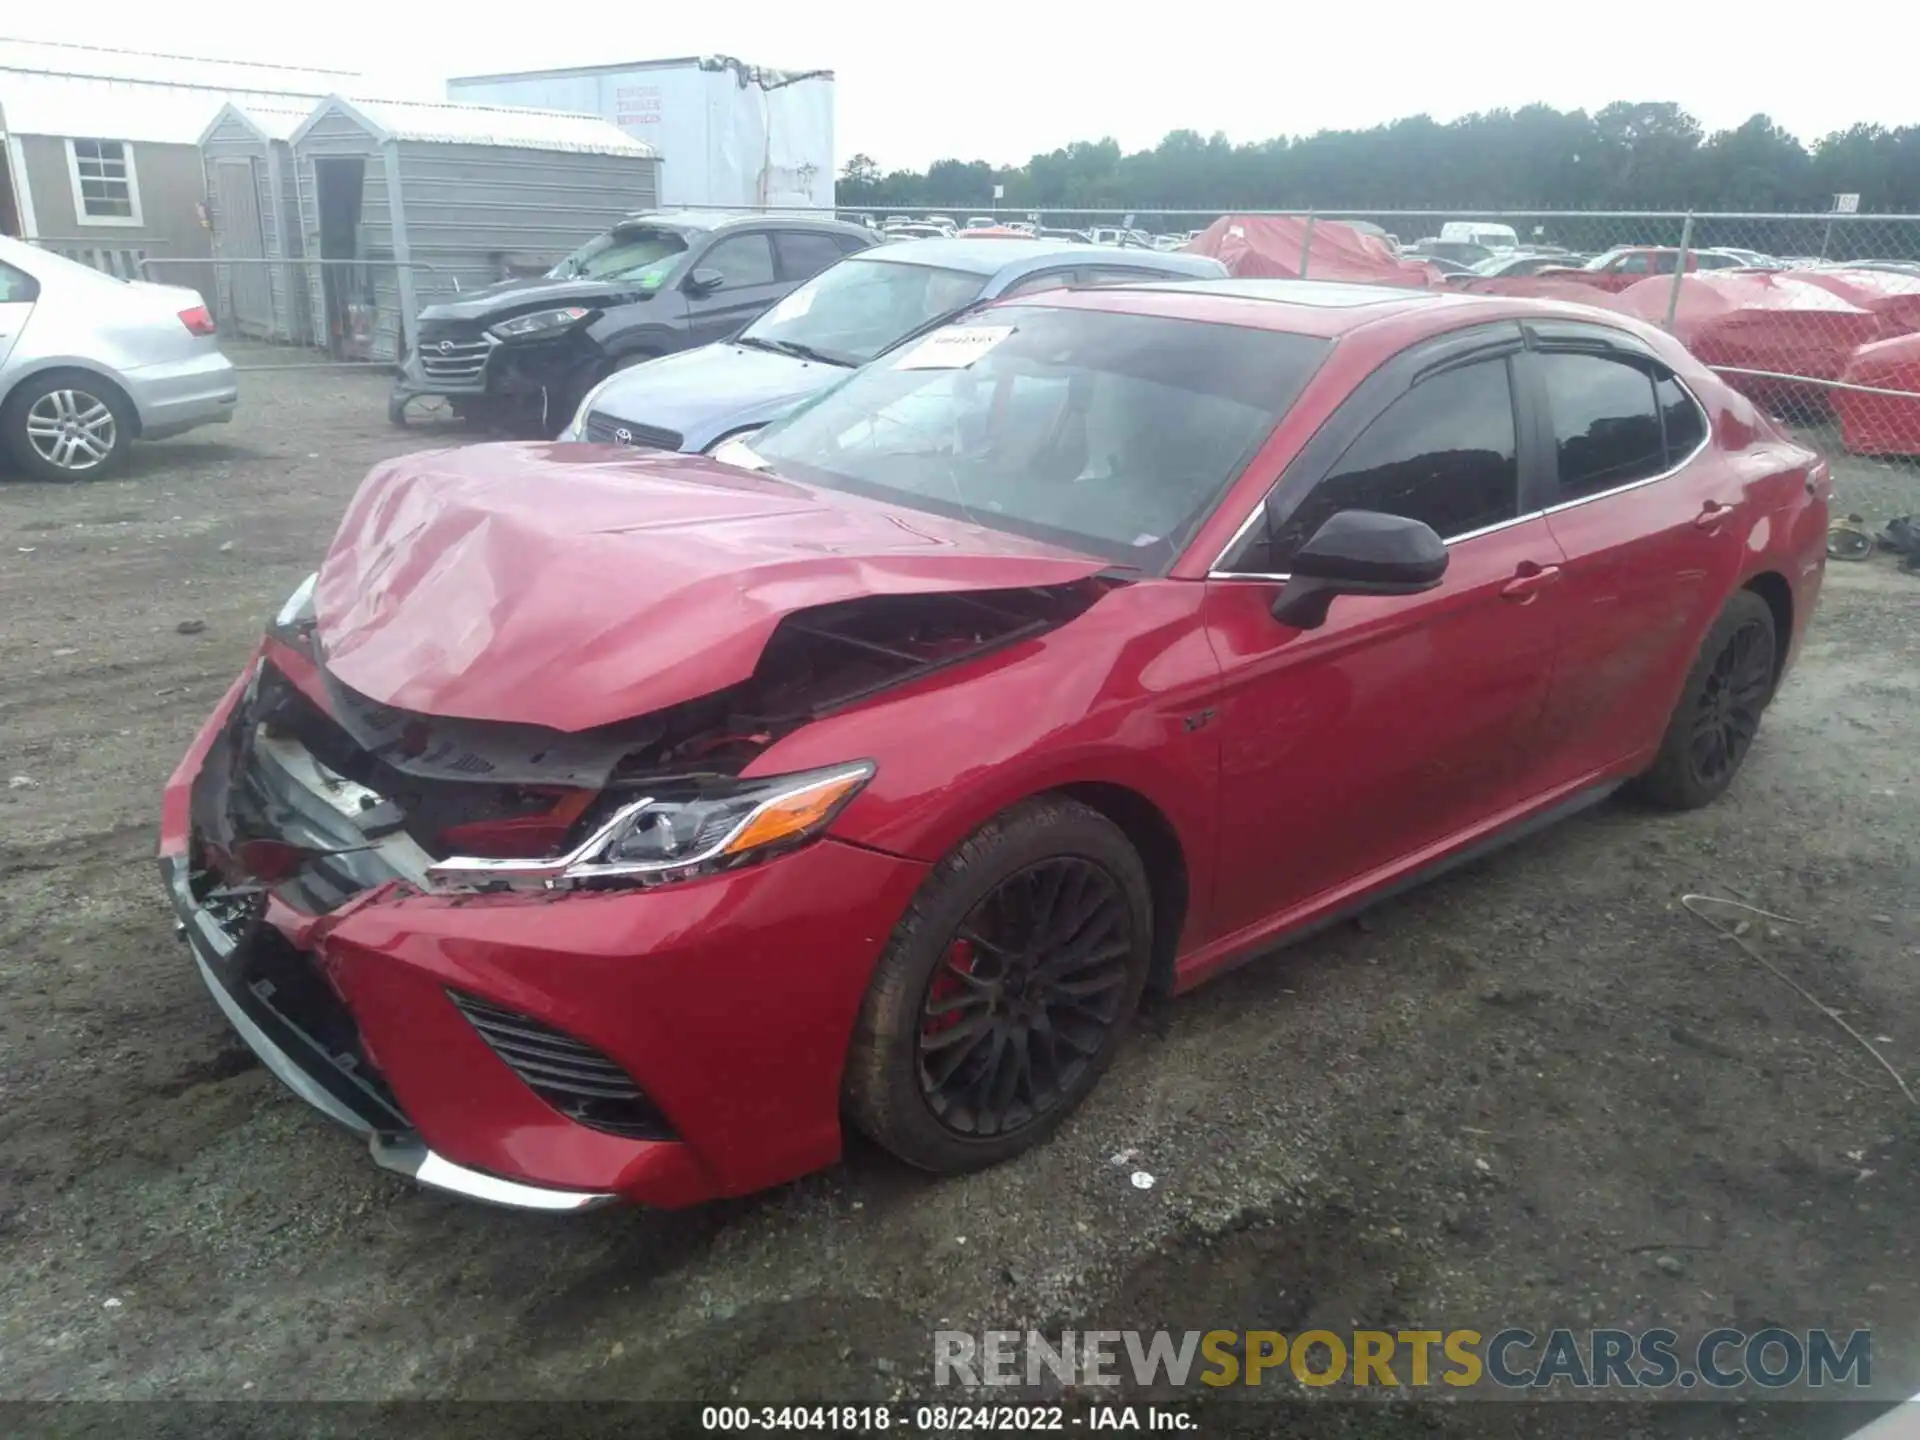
[[241, 239]]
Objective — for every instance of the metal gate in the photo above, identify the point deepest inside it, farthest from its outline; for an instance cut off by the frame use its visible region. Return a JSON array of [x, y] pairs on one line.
[[237, 193]]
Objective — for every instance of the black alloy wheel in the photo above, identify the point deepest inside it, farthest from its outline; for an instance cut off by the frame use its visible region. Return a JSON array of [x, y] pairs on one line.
[[1026, 995], [1727, 709], [1712, 725], [1005, 990]]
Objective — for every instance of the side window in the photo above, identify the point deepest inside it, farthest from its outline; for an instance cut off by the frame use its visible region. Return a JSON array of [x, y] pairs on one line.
[[1606, 430], [851, 244], [1634, 264], [1680, 418], [1045, 280], [1442, 453], [17, 285], [804, 253], [1120, 275], [741, 260]]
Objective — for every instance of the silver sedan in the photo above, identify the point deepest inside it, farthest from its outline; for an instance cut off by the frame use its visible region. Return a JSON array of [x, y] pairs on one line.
[[89, 363]]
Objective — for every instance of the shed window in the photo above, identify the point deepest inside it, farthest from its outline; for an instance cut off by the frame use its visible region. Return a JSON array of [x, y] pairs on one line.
[[106, 191]]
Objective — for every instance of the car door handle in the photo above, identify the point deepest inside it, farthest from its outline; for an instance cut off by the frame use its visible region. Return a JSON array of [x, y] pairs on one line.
[[1529, 581], [1712, 515]]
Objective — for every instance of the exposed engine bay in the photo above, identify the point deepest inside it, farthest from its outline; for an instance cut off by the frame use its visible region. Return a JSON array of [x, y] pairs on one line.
[[462, 787]]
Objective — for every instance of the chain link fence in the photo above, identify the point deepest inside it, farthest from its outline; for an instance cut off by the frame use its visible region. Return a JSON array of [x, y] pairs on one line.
[[1815, 316]]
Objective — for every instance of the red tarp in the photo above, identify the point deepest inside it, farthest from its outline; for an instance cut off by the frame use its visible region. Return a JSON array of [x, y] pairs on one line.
[[1269, 247], [1759, 321], [1894, 298], [1882, 424]]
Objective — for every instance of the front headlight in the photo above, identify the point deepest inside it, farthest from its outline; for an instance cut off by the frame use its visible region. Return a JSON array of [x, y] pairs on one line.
[[684, 830], [539, 323]]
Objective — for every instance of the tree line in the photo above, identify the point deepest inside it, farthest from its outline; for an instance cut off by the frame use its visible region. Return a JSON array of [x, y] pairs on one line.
[[1627, 156]]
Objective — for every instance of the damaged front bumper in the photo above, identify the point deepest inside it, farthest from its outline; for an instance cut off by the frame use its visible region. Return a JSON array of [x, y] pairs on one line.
[[724, 1004], [324, 1077]]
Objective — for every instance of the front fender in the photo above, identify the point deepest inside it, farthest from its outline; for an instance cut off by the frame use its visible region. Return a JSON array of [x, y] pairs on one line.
[[1118, 696]]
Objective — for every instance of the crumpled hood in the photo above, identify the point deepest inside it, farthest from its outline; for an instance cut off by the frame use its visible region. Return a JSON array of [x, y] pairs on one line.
[[702, 394], [506, 298], [548, 584]]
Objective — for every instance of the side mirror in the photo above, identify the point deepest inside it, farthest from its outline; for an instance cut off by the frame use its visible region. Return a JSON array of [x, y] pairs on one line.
[[1359, 552], [704, 281]]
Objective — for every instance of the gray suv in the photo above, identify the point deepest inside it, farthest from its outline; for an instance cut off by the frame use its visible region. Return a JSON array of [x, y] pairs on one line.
[[653, 284]]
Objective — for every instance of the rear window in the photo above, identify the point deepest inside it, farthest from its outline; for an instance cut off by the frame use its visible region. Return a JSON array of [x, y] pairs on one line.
[[1615, 423], [1681, 419]]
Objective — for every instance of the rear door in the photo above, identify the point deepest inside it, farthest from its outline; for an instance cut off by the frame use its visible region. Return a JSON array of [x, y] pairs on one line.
[[1647, 512], [1402, 722], [749, 282], [18, 292]]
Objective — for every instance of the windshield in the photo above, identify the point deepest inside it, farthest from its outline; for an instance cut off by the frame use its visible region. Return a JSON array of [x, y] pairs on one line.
[[850, 312], [634, 252], [1110, 434]]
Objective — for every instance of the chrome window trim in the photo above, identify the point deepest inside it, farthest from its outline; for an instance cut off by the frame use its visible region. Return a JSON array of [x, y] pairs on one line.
[[1214, 572], [1450, 541]]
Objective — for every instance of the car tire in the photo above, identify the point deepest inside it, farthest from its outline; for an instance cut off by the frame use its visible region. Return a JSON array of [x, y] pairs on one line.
[[67, 413], [1040, 1027], [1713, 725]]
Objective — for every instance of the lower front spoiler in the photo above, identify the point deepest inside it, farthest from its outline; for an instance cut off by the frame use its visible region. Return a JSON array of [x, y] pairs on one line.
[[215, 953]]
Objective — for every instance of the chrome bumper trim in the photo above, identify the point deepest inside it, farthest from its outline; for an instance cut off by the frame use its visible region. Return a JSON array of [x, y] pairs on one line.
[[410, 1157]]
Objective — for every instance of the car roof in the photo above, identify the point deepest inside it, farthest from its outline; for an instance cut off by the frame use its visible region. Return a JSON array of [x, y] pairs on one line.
[[727, 219], [1004, 254], [1323, 309]]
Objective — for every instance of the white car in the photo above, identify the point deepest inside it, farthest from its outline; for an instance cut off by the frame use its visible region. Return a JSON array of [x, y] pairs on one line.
[[89, 363], [1497, 238]]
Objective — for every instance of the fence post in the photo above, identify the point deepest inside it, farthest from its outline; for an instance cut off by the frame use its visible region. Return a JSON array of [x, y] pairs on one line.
[[1679, 269], [1306, 245]]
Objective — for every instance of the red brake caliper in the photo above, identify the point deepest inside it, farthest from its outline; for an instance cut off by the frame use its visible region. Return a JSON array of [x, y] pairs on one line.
[[948, 986]]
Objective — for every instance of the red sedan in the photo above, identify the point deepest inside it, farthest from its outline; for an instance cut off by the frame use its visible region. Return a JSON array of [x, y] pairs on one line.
[[599, 824]]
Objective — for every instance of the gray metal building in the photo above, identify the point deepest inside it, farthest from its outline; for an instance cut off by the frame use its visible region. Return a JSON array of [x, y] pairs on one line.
[[430, 199], [99, 150], [254, 207]]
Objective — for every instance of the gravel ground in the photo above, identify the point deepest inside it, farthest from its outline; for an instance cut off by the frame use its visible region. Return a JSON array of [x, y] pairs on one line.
[[1537, 1092]]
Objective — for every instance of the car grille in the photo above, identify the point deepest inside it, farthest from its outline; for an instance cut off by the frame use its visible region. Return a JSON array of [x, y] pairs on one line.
[[611, 430], [454, 360], [569, 1074]]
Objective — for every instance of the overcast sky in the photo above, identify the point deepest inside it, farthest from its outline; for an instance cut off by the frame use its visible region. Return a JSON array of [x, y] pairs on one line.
[[998, 80]]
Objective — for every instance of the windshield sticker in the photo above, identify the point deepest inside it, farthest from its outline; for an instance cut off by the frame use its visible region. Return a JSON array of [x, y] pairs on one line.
[[651, 282], [954, 349]]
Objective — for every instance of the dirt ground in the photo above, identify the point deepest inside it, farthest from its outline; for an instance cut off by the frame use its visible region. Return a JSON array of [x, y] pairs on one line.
[[1537, 1092]]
